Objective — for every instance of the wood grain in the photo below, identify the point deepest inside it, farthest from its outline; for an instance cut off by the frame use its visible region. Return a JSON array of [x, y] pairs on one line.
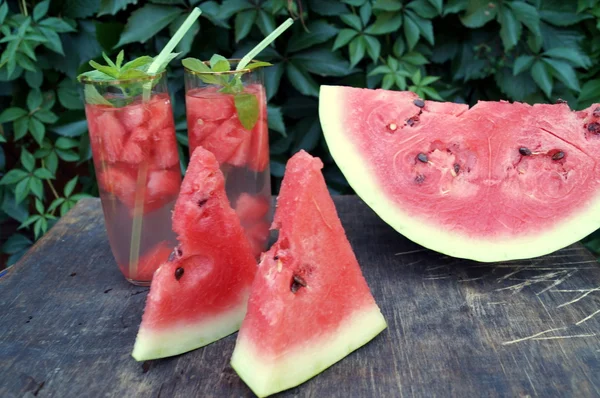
[[456, 328]]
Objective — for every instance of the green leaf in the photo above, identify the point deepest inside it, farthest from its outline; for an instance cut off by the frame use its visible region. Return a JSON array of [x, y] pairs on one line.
[[387, 5], [146, 22], [399, 47], [218, 63], [37, 130], [34, 79], [37, 187], [231, 7], [427, 80], [563, 72], [43, 174], [373, 47], [113, 6], [432, 93], [542, 77], [34, 100], [365, 13], [275, 119], [328, 7], [243, 24], [39, 206], [10, 114], [344, 38], [561, 13], [415, 58], [352, 20], [277, 168], [68, 155], [381, 70], [307, 134], [590, 91], [318, 32], [3, 12], [510, 30], [301, 80], [20, 127], [247, 108], [265, 22], [107, 70], [13, 176], [425, 26], [53, 40], [46, 116], [478, 13], [357, 50], [74, 129], [68, 94], [386, 22], [571, 55], [16, 243], [522, 64], [321, 61], [527, 15], [411, 32], [55, 203], [15, 210], [27, 160], [257, 64], [437, 4], [92, 96], [80, 8], [70, 186], [51, 162], [423, 8], [66, 143], [40, 10], [137, 63]]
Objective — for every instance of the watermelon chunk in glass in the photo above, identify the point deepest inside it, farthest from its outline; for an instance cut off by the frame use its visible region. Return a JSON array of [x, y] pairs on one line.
[[310, 305], [200, 294], [148, 262]]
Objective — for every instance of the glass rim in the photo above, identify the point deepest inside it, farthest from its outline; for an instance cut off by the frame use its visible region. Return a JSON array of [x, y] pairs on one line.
[[227, 72], [116, 82]]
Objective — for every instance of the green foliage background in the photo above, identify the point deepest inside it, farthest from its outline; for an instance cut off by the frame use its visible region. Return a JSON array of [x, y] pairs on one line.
[[456, 50]]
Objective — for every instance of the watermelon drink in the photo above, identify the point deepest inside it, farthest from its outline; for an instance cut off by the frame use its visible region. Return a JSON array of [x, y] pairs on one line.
[[137, 167], [227, 115]]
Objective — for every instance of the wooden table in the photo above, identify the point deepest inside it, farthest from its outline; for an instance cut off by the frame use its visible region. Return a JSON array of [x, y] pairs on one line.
[[456, 328]]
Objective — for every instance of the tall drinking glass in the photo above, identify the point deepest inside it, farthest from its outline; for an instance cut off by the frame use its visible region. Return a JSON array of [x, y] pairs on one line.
[[242, 151], [132, 135]]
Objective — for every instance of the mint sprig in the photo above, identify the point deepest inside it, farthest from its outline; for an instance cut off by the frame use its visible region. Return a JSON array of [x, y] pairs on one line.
[[136, 68], [246, 104]]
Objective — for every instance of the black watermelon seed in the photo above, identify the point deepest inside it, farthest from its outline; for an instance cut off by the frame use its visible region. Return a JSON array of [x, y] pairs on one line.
[[456, 168], [558, 155], [202, 202], [297, 283], [419, 179], [596, 112], [276, 258], [422, 158], [594, 127], [179, 273], [525, 151], [419, 102]]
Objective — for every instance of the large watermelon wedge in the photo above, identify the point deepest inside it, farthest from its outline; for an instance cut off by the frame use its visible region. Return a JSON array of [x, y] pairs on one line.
[[498, 181], [310, 305], [200, 294]]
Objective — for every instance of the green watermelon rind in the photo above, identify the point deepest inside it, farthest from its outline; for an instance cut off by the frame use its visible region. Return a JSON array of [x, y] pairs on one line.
[[358, 171], [181, 338], [266, 377]]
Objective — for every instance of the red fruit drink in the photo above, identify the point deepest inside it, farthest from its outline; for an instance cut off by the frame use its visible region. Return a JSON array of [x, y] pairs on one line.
[[137, 167], [243, 154]]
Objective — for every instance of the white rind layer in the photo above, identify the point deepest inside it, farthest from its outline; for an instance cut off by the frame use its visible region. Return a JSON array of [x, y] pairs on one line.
[[364, 181], [188, 336], [266, 377]]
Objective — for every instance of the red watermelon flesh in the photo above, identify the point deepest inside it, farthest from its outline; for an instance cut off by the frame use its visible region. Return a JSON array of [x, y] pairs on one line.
[[200, 294], [310, 306], [225, 140], [494, 182], [251, 208]]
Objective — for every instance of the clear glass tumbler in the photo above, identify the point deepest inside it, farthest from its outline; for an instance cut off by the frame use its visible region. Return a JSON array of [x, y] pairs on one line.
[[132, 135], [213, 116]]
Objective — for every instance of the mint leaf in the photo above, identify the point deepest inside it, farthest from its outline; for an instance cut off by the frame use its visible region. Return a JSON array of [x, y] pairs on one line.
[[137, 63], [92, 96], [257, 64], [246, 106], [218, 63], [120, 59], [110, 71], [198, 66], [166, 61], [109, 62]]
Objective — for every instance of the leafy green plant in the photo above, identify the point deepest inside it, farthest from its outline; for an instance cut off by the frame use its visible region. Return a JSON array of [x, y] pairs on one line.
[[455, 50]]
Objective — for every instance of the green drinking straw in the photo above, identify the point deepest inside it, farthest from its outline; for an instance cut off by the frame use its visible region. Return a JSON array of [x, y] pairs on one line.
[[264, 43], [136, 227]]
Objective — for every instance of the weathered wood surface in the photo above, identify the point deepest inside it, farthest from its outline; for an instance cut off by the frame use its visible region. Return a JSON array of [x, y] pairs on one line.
[[456, 328]]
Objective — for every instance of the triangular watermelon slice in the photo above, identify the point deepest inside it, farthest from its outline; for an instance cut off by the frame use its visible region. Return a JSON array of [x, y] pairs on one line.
[[310, 305], [200, 294]]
